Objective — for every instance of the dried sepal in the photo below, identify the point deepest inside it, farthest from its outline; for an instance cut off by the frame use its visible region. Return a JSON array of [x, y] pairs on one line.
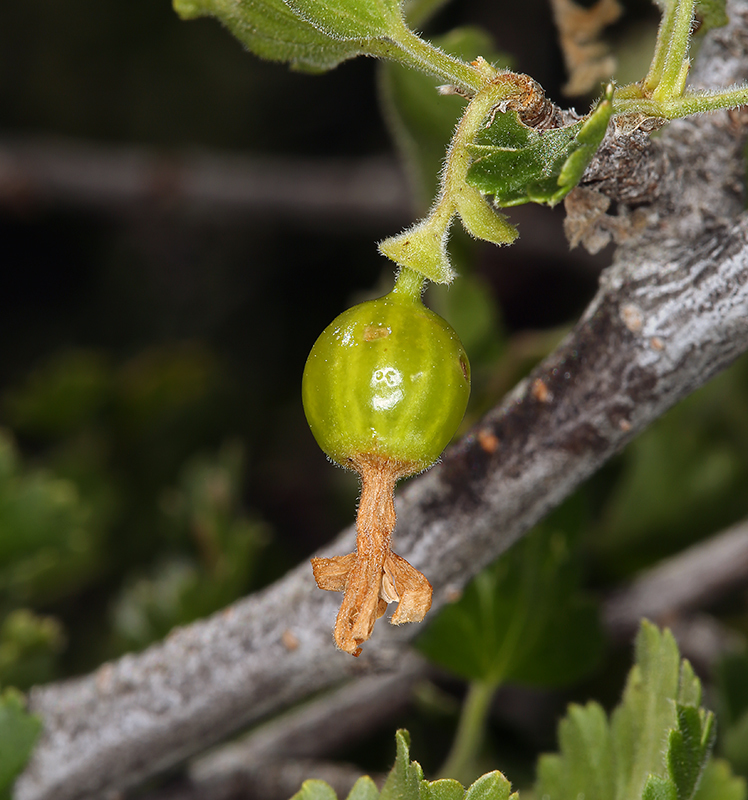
[[373, 576]]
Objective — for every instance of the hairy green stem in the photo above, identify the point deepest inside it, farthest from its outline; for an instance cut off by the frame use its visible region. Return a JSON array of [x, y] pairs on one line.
[[662, 45], [422, 247], [672, 80], [461, 763], [678, 107], [408, 48], [410, 283]]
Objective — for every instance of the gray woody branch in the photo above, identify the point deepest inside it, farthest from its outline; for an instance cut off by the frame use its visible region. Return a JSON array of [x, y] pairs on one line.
[[671, 312], [360, 192]]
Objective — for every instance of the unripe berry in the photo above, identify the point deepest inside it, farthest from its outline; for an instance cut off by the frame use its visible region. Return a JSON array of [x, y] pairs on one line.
[[388, 379], [384, 389]]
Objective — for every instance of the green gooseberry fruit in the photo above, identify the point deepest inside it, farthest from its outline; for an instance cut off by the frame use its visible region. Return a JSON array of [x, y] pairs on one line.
[[388, 379]]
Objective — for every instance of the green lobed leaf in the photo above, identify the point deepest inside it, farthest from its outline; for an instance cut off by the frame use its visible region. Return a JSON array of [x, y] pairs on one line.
[[654, 746], [641, 724], [443, 789], [350, 19], [19, 731], [364, 789], [518, 164], [404, 780], [523, 619], [491, 786], [689, 747], [272, 30], [584, 765], [314, 789]]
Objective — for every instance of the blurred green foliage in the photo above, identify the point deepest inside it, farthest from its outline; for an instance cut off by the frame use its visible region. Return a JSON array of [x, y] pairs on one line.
[[114, 513], [48, 546], [204, 509], [525, 619], [29, 645], [678, 482], [732, 707], [19, 731]]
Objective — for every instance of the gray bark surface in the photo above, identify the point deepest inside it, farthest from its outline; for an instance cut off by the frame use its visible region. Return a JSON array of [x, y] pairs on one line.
[[671, 312]]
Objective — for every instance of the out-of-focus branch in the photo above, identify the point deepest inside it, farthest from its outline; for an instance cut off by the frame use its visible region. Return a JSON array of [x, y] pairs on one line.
[[321, 728], [671, 312], [692, 580], [307, 735], [278, 779], [358, 191]]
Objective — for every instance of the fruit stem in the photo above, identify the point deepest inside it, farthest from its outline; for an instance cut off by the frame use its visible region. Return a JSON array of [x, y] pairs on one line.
[[409, 283]]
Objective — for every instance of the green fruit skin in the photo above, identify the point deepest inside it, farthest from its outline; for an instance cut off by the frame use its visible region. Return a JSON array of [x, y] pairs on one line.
[[387, 378]]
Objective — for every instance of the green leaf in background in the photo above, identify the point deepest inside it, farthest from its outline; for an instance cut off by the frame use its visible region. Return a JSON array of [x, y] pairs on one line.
[[444, 789], [420, 120], [48, 546], [655, 745], [683, 479], [364, 789], [491, 786], [418, 12], [61, 395], [718, 783], [518, 164], [711, 14], [523, 619], [732, 696], [19, 731]]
